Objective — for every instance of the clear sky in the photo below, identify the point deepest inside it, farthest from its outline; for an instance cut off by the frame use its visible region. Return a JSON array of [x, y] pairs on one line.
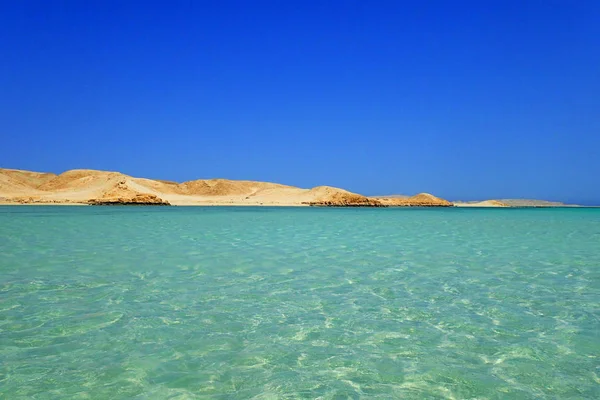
[[463, 99]]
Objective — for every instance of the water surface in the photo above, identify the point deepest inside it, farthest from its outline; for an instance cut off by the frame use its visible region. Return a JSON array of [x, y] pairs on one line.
[[285, 303]]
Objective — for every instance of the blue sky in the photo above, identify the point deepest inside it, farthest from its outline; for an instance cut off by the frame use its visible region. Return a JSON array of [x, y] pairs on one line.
[[463, 99]]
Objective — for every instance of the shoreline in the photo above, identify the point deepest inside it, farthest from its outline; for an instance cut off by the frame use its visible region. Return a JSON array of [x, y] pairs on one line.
[[71, 204]]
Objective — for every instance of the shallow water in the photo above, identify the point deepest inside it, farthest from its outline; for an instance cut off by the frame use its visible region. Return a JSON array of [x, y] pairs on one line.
[[270, 303]]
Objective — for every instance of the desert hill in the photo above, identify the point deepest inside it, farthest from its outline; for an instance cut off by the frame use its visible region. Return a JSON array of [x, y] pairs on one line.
[[330, 196], [225, 187], [419, 200]]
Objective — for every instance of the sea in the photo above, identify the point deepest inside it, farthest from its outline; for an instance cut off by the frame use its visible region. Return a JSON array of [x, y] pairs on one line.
[[299, 303]]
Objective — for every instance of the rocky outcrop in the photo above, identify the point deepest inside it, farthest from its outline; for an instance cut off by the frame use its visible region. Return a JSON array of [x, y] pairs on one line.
[[121, 194], [135, 200], [420, 200]]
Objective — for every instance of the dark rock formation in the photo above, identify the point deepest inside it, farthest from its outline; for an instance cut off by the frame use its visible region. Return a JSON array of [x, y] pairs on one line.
[[137, 200]]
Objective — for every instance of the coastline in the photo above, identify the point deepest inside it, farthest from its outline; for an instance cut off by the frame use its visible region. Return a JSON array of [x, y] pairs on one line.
[[103, 188]]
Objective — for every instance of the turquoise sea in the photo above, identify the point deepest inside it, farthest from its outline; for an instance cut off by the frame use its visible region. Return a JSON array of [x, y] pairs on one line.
[[290, 303]]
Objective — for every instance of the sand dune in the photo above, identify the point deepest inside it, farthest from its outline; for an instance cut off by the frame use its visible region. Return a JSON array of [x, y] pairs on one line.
[[84, 186]]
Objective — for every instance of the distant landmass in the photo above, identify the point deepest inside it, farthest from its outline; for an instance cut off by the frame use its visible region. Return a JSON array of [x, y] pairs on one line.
[[513, 203], [485, 203], [85, 186], [535, 203]]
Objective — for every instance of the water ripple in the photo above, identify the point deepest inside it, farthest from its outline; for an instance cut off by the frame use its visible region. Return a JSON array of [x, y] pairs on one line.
[[187, 303]]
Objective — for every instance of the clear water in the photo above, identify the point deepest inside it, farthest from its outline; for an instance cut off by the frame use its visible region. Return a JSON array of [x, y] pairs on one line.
[[285, 303]]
